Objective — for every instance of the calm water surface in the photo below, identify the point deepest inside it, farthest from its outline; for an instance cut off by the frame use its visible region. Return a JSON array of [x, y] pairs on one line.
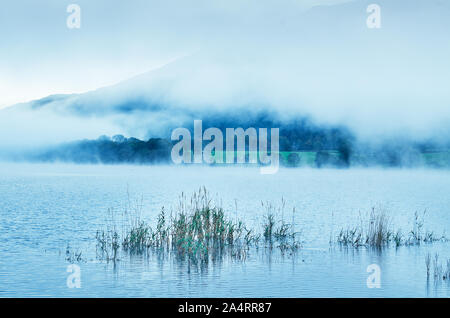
[[45, 207]]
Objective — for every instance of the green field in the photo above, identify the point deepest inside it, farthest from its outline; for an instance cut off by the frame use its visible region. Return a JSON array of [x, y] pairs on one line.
[[438, 159]]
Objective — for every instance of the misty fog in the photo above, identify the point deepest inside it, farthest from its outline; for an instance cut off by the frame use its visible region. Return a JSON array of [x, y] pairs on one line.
[[235, 58]]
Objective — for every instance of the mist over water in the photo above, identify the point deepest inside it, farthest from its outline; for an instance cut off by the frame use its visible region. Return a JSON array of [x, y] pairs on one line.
[[320, 62], [86, 117]]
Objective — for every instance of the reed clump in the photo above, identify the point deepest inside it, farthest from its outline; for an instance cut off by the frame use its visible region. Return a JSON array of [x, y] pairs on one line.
[[377, 231], [280, 231], [441, 271], [73, 256], [198, 231]]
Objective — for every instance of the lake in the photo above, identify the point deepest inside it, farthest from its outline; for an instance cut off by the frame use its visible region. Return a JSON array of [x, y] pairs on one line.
[[45, 207]]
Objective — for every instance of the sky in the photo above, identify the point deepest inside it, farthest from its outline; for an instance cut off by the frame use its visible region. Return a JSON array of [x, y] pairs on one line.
[[316, 58], [117, 40]]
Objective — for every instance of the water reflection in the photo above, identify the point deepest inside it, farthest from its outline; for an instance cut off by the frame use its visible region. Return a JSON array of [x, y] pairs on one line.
[[54, 208]]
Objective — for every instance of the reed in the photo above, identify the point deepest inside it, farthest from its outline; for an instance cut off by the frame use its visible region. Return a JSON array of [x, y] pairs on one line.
[[377, 231], [428, 263], [73, 256], [197, 231]]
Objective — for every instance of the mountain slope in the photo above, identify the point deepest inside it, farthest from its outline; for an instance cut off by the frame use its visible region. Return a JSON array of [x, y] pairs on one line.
[[324, 64]]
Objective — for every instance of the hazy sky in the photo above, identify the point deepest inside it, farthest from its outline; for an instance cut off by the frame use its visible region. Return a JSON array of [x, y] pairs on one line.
[[287, 54], [40, 56]]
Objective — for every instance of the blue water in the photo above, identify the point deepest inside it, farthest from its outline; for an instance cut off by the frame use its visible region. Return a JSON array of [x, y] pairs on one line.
[[45, 207]]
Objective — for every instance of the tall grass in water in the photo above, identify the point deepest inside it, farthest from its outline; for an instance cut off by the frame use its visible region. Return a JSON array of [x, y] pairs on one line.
[[440, 271], [373, 232], [198, 231], [279, 231], [108, 241], [377, 231], [428, 263], [73, 256]]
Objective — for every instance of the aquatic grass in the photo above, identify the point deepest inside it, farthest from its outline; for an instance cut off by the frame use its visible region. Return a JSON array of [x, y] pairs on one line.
[[441, 271], [268, 226], [437, 267], [138, 238], [428, 263], [198, 231], [418, 235], [283, 231], [108, 239], [377, 231], [448, 270], [73, 256], [279, 231]]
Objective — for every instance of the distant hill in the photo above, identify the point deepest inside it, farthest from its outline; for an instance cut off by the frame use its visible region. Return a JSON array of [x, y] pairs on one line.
[[323, 90]]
